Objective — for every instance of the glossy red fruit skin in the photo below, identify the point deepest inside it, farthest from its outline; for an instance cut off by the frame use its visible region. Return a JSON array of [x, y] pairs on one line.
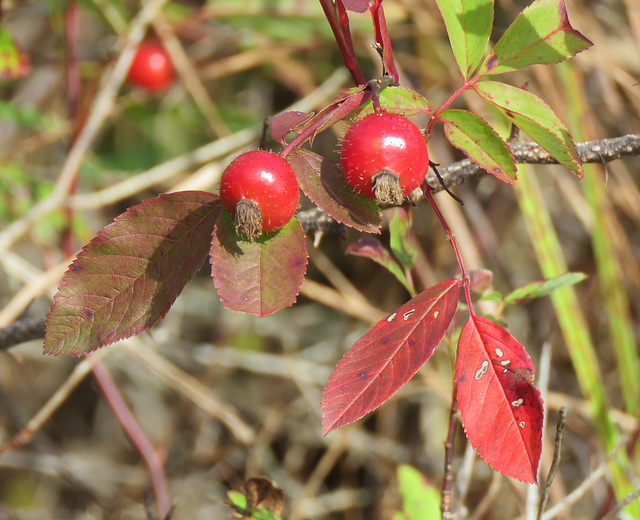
[[384, 141], [268, 181], [152, 68]]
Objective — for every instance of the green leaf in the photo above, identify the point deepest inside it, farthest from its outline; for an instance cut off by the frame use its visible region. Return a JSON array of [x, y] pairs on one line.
[[400, 229], [479, 142], [495, 296], [14, 63], [237, 499], [542, 288], [540, 34], [373, 249], [419, 499], [534, 117], [399, 100], [468, 24], [259, 277]]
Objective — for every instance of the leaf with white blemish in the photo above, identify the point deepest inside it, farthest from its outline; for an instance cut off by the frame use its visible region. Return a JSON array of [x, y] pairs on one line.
[[386, 357], [501, 408]]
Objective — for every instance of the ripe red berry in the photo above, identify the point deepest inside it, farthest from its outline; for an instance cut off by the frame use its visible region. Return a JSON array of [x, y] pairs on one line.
[[261, 191], [384, 156], [152, 68]]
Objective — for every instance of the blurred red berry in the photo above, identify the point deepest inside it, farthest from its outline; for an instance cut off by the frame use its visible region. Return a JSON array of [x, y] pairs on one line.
[[152, 68]]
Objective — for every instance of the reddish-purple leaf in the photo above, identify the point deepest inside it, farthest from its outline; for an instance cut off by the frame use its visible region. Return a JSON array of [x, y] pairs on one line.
[[357, 6], [370, 247], [130, 274], [501, 408], [480, 280], [282, 124], [259, 277], [386, 357], [323, 182]]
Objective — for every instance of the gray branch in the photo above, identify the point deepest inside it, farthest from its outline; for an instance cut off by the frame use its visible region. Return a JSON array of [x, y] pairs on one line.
[[601, 151]]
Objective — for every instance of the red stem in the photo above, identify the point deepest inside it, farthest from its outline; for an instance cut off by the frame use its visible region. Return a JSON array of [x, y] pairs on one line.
[[136, 435], [426, 189], [340, 111], [383, 40], [338, 19], [447, 482]]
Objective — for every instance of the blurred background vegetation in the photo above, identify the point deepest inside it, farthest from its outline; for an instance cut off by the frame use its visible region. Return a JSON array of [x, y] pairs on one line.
[[225, 396]]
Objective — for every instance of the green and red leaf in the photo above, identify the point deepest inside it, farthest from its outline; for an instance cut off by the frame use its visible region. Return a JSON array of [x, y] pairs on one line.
[[14, 62], [259, 277], [480, 143], [386, 358], [130, 274], [540, 34], [399, 100], [534, 117], [372, 248], [501, 409]]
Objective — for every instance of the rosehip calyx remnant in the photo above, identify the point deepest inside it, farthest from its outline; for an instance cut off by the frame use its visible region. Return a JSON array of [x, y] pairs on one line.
[[384, 156], [260, 190]]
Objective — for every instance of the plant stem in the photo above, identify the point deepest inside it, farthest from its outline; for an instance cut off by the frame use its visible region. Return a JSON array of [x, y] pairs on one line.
[[383, 40], [338, 19], [136, 435], [426, 189], [447, 482]]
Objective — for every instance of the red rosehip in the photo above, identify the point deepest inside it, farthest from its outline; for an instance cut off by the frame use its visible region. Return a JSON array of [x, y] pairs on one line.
[[151, 68], [384, 156], [261, 191]]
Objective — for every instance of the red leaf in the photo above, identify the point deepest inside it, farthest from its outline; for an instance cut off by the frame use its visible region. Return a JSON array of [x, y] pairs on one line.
[[130, 274], [385, 358], [282, 124], [501, 408], [323, 182], [258, 277]]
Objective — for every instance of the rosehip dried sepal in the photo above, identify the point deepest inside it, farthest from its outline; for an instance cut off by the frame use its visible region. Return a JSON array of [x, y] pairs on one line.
[[261, 191], [384, 156]]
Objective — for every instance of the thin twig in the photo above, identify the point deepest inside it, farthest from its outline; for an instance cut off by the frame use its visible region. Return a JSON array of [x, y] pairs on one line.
[[586, 484], [447, 481], [555, 465], [100, 111], [622, 504], [532, 507], [136, 435], [81, 371], [192, 389]]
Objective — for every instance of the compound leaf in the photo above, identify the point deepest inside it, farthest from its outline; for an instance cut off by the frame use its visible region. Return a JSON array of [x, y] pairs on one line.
[[130, 274]]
